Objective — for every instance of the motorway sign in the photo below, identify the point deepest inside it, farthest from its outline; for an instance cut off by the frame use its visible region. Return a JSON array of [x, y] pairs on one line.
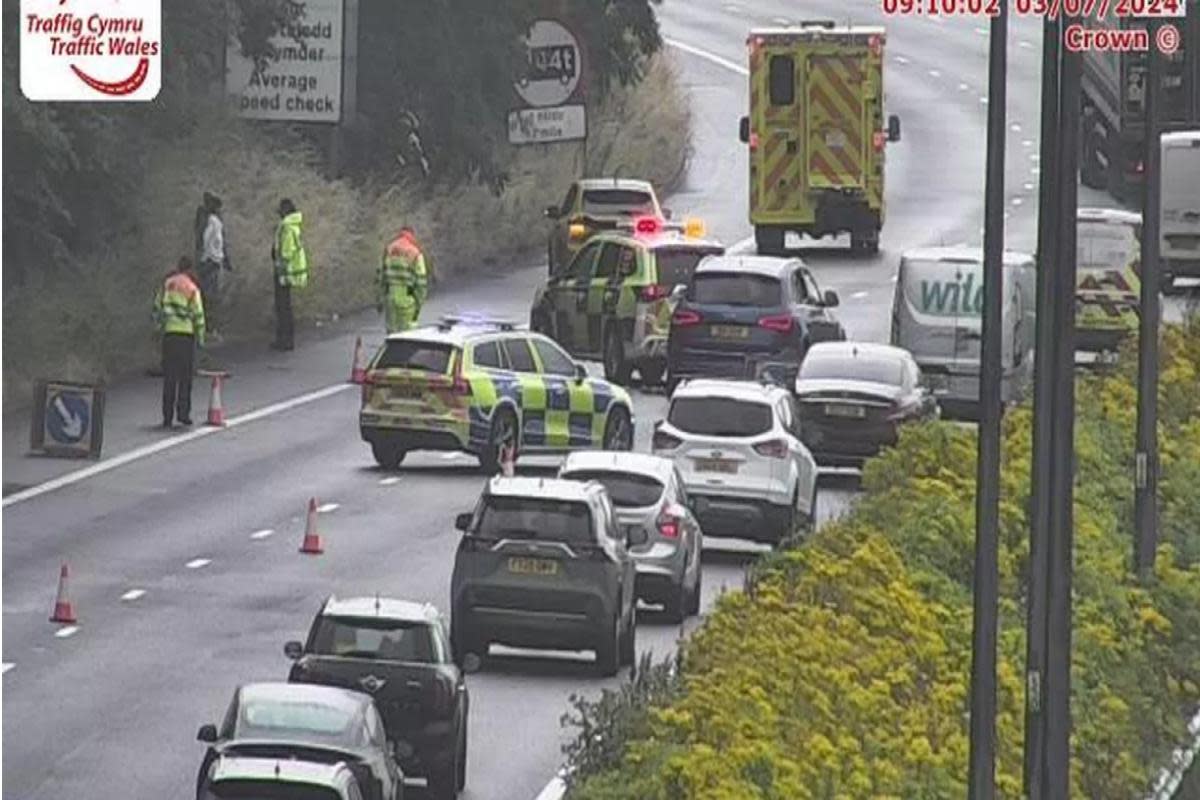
[[542, 125], [555, 65], [68, 420]]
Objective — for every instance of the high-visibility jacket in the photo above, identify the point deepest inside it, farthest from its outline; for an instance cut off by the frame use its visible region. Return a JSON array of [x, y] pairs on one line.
[[179, 308], [291, 260], [403, 267]]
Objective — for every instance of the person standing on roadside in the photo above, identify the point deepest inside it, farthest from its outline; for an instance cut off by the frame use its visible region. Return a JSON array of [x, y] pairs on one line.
[[214, 257], [179, 311], [290, 271], [403, 282]]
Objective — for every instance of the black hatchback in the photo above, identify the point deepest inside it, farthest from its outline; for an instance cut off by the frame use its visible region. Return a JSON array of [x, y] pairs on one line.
[[743, 317]]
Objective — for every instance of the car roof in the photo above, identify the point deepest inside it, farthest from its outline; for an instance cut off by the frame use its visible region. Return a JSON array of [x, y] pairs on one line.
[[758, 265], [675, 240], [346, 700], [1109, 215], [807, 30], [282, 770], [741, 390], [620, 461], [543, 488], [380, 607], [587, 184], [856, 350], [1181, 138], [961, 253], [460, 332]]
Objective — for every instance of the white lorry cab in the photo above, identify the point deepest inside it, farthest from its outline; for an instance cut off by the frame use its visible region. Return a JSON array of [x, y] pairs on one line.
[[937, 315], [1180, 194]]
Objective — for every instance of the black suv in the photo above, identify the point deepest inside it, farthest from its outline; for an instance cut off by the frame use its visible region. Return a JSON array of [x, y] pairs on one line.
[[397, 652], [746, 316]]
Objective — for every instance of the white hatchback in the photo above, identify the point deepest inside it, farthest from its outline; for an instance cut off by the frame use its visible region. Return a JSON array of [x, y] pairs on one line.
[[737, 445]]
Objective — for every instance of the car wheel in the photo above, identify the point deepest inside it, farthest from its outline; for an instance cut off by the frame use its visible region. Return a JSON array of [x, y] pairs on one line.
[[504, 431], [628, 642], [608, 650], [388, 455], [652, 373], [694, 595], [460, 645], [618, 431], [616, 368]]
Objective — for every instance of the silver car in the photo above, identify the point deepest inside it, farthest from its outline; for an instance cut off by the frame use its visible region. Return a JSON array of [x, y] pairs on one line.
[[652, 509]]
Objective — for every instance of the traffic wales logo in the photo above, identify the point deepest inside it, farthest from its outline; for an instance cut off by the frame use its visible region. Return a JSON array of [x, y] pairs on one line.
[[91, 50]]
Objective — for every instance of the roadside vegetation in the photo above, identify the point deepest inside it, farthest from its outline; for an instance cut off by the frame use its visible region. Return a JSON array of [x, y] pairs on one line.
[[100, 199], [843, 669]]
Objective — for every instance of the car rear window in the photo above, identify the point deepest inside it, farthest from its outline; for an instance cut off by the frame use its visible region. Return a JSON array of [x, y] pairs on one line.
[[391, 640], [267, 719], [617, 201], [625, 490], [874, 370], [535, 518], [736, 289], [1103, 246], [720, 416], [268, 790], [675, 266], [415, 354]]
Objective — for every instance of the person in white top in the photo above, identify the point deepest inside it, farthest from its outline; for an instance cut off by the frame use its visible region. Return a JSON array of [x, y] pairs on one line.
[[214, 257]]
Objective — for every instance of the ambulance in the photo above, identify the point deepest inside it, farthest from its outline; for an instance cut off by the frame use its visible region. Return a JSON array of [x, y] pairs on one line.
[[1107, 286], [816, 133]]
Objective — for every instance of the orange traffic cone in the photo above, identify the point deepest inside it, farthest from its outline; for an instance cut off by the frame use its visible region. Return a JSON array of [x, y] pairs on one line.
[[312, 539], [358, 371], [216, 409], [63, 610], [508, 460]]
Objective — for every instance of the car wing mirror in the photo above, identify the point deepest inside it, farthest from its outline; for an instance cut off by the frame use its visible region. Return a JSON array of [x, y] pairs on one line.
[[293, 650], [462, 522], [831, 298], [580, 373], [893, 128], [551, 212], [678, 292], [207, 734], [471, 663], [744, 130]]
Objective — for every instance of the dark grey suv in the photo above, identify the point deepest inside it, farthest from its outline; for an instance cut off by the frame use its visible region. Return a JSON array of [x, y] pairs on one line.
[[543, 564]]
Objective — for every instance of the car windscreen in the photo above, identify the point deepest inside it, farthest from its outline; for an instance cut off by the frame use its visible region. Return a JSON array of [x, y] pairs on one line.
[[624, 489], [535, 518], [415, 354], [720, 416], [735, 289], [627, 202], [364, 637], [676, 265], [268, 790], [1102, 246], [874, 370], [261, 718]]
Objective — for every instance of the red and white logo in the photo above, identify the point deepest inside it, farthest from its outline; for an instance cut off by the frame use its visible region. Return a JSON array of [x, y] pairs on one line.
[[91, 50]]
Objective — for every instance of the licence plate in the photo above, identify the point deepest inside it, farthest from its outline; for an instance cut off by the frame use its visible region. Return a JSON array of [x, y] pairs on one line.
[[533, 566], [730, 331], [844, 410], [716, 465], [406, 392]]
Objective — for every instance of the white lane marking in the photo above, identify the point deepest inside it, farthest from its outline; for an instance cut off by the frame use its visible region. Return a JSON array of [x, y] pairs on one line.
[[858, 295], [389, 481], [962, 87], [1027, 186], [1016, 201], [1035, 157], [1024, 44], [895, 278], [707, 56], [901, 60], [197, 563], [166, 444], [981, 31], [1015, 127], [1034, 170], [67, 632], [554, 790], [325, 508], [983, 100], [1027, 143], [936, 19], [933, 73], [263, 534], [5, 667], [133, 594]]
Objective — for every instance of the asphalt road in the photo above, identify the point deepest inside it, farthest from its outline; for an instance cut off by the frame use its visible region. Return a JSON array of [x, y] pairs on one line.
[[179, 602]]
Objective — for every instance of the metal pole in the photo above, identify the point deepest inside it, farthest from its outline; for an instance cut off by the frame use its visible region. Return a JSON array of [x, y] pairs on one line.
[[982, 785], [1191, 60], [1145, 498], [1056, 700], [1043, 409]]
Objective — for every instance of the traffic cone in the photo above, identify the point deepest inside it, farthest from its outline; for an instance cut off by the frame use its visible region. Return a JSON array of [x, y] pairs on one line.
[[216, 410], [312, 539], [63, 610], [508, 460], [358, 371]]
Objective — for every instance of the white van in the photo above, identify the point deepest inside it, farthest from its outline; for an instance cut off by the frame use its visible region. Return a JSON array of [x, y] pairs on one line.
[[937, 316], [1180, 218]]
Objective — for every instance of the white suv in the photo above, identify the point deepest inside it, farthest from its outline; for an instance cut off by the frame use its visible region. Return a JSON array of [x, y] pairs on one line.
[[737, 444]]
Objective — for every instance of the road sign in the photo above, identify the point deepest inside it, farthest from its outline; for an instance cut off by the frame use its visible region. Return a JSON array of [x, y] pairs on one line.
[[68, 419], [541, 125], [555, 65]]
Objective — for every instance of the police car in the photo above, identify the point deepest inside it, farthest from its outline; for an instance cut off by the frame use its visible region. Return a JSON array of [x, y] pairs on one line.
[[476, 385], [614, 300]]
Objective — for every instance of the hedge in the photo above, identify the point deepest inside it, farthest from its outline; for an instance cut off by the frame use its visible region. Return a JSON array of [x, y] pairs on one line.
[[843, 669]]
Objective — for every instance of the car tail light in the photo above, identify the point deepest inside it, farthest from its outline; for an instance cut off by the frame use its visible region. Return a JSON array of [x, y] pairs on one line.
[[875, 44], [647, 225], [683, 318], [753, 141], [668, 525], [878, 139], [655, 291], [461, 385], [776, 448], [665, 441], [780, 323]]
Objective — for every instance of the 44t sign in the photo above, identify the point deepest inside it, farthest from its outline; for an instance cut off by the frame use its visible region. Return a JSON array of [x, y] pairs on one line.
[[554, 65]]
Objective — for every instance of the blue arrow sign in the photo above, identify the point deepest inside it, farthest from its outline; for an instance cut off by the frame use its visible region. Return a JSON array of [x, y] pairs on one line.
[[68, 417]]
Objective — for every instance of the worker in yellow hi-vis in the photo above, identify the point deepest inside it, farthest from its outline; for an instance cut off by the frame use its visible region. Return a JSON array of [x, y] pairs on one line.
[[403, 282]]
